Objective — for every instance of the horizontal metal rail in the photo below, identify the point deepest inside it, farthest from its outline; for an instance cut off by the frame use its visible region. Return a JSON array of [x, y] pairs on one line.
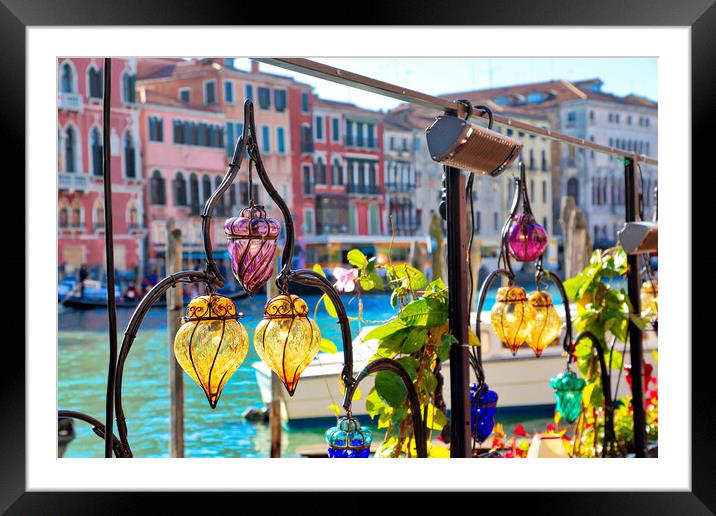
[[362, 82]]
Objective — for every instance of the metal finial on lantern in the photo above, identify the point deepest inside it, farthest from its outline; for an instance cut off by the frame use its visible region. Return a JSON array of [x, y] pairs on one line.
[[347, 440], [568, 394], [251, 239]]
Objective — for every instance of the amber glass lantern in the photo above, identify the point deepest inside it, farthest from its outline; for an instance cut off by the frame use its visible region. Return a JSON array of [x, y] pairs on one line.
[[512, 316], [286, 339], [211, 344], [650, 300], [546, 326]]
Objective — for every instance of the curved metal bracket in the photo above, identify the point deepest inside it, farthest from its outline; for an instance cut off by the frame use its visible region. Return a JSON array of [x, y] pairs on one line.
[[97, 427]]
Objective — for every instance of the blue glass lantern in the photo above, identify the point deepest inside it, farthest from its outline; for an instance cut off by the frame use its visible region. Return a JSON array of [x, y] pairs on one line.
[[347, 440], [483, 406]]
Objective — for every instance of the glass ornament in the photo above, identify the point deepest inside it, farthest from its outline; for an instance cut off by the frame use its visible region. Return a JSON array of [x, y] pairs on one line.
[[648, 370], [251, 239], [511, 316], [650, 300], [347, 440], [286, 339], [546, 326], [483, 407], [211, 344], [527, 239], [568, 394]]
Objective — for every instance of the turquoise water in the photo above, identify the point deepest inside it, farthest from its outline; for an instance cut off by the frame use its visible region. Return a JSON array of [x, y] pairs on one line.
[[223, 432]]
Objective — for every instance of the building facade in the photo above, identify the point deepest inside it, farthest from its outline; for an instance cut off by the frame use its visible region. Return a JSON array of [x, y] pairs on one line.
[[403, 213], [79, 167]]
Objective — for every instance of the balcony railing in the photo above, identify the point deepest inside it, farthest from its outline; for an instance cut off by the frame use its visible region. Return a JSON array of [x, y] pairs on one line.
[[72, 181], [69, 101], [362, 189], [400, 187]]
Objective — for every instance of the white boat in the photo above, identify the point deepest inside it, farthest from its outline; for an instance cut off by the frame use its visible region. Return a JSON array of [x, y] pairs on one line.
[[521, 382]]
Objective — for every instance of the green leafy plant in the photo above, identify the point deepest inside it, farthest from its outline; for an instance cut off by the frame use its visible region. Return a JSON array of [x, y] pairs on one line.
[[604, 309]]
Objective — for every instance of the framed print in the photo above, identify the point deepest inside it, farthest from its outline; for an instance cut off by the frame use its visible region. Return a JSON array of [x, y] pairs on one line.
[[273, 248]]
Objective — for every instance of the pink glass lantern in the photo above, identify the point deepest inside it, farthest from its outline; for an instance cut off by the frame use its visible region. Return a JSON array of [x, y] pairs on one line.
[[527, 239], [252, 243]]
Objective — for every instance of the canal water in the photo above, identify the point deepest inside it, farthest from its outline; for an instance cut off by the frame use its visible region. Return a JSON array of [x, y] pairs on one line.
[[222, 432]]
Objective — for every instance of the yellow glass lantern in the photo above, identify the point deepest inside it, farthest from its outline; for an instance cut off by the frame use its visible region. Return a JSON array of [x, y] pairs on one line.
[[286, 339], [546, 326], [511, 316], [211, 344], [650, 300]]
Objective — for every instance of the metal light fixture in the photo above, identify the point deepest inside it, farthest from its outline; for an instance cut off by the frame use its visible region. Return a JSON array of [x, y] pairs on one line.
[[640, 237], [457, 143], [211, 344], [545, 327], [347, 440], [286, 339], [251, 239]]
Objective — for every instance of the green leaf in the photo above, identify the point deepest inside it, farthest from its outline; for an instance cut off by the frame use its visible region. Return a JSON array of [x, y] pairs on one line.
[[327, 346], [436, 286], [384, 330], [398, 415], [408, 276], [330, 307], [317, 268], [357, 258], [425, 312], [436, 420], [390, 388], [414, 340], [371, 266], [335, 409], [411, 366], [572, 285], [373, 404], [377, 281], [430, 381], [445, 345], [366, 283], [583, 348], [391, 345], [638, 321]]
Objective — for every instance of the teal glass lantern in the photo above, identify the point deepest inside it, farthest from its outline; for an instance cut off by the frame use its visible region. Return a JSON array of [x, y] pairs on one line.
[[347, 440], [568, 394]]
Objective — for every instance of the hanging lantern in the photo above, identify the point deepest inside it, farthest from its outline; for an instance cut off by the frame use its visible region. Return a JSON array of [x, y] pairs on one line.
[[568, 394], [527, 240], [483, 406], [252, 243], [648, 369], [545, 326], [650, 300], [347, 440], [511, 316], [211, 344], [286, 339]]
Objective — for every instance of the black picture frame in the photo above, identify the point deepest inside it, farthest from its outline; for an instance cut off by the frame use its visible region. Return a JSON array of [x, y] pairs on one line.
[[700, 15]]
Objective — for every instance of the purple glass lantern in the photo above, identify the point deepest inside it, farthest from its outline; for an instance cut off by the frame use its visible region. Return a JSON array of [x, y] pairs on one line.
[[252, 242], [527, 239]]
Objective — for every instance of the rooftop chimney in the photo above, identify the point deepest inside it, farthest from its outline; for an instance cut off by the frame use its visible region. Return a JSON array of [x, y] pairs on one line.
[[254, 66]]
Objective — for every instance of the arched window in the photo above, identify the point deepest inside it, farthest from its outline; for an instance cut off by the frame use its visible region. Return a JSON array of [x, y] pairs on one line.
[[96, 150], [320, 172], [63, 215], [157, 188], [128, 93], [94, 82], [180, 190], [206, 186], [220, 203], [336, 173], [76, 218], [194, 191], [130, 166], [573, 189], [132, 215], [67, 79], [70, 149], [99, 215]]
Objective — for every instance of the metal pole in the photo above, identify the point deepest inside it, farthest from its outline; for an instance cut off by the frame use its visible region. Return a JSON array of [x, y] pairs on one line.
[[175, 300], [109, 252], [275, 406], [460, 445], [635, 334]]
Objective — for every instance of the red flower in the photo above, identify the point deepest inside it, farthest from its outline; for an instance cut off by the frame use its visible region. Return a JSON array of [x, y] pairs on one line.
[[520, 430], [551, 427]]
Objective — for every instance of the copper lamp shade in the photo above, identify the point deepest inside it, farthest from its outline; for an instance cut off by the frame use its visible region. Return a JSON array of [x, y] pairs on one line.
[[457, 143]]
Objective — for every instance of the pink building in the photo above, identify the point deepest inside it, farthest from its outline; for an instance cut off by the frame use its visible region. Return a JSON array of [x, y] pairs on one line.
[[79, 168]]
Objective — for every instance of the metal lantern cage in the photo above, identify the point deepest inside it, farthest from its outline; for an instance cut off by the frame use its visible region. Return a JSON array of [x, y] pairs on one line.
[[475, 149]]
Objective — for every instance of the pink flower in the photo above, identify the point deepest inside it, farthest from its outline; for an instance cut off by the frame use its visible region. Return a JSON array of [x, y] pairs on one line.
[[345, 279]]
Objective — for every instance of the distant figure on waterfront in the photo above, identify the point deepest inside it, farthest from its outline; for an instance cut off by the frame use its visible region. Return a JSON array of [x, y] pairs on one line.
[[81, 276]]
